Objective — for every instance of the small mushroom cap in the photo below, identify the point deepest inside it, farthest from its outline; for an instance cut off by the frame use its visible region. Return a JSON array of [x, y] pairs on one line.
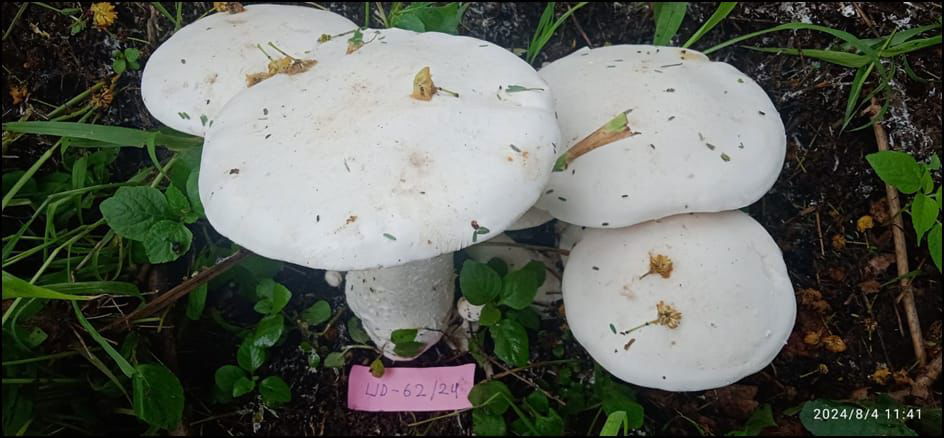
[[709, 139], [189, 78], [516, 258], [468, 311], [417, 295], [728, 280], [339, 168]]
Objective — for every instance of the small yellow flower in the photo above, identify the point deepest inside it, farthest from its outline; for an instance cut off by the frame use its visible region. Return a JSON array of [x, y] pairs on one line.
[[18, 93], [659, 264], [231, 7], [103, 14], [668, 316], [865, 223], [834, 344]]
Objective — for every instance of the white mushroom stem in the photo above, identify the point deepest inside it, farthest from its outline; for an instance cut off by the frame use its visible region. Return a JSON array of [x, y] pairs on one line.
[[417, 295]]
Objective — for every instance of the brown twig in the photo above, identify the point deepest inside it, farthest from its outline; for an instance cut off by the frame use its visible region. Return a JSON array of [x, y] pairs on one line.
[[514, 373], [920, 385], [168, 298], [901, 250], [580, 31]]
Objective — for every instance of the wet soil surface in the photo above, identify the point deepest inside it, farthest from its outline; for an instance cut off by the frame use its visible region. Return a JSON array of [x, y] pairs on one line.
[[843, 277]]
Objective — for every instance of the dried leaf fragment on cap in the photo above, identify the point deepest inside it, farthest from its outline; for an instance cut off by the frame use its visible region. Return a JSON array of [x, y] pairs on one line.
[[615, 129], [231, 7], [287, 64], [668, 315], [659, 264], [423, 87]]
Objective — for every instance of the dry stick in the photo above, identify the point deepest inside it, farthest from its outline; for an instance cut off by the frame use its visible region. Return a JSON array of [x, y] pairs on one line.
[[920, 385], [514, 374], [171, 296], [901, 251]]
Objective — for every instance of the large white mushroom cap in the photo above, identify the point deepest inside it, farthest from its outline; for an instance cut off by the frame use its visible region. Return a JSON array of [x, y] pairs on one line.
[[728, 281], [709, 139], [189, 78], [339, 168], [416, 295]]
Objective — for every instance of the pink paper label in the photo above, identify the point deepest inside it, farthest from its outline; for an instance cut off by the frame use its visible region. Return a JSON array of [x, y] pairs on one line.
[[411, 389]]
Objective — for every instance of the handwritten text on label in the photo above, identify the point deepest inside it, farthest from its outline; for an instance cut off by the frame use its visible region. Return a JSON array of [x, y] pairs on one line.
[[411, 389]]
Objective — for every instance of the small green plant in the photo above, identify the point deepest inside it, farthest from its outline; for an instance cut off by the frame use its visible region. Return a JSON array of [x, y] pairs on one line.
[[423, 16], [761, 419], [910, 177], [547, 26], [506, 297], [127, 59]]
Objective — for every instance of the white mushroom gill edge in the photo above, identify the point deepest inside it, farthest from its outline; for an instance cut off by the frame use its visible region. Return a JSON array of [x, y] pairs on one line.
[[728, 281], [417, 295]]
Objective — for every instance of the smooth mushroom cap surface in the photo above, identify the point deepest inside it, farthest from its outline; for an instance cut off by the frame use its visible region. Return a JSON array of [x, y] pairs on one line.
[[417, 295], [340, 168], [728, 281], [709, 139], [189, 78], [530, 219], [516, 258]]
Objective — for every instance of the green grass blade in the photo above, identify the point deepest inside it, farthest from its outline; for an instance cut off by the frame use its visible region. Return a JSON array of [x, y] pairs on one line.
[[668, 16], [844, 59], [14, 287], [113, 135], [845, 36], [123, 364], [96, 287], [910, 46], [720, 14], [546, 29]]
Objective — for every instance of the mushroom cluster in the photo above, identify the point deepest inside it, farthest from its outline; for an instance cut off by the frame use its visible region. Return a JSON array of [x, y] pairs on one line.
[[383, 152]]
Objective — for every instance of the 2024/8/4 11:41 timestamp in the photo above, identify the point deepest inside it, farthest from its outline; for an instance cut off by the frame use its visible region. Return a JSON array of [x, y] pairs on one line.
[[850, 413]]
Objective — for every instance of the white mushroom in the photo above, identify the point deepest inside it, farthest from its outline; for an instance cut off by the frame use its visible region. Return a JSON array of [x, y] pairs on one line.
[[516, 258], [333, 278], [726, 301], [531, 218], [468, 311], [340, 168], [417, 295], [189, 78], [698, 136]]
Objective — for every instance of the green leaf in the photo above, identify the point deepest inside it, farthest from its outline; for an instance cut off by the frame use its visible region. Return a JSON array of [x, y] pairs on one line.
[[538, 401], [272, 297], [243, 386], [403, 335], [617, 397], [842, 421], [377, 368], [934, 245], [761, 419], [511, 342], [491, 396], [249, 356], [490, 315], [269, 330], [479, 283], [897, 169], [410, 22], [837, 57], [485, 423], [177, 202], [193, 193], [356, 331], [528, 317], [166, 241], [720, 14], [158, 396], [924, 211], [119, 65], [614, 422], [538, 270], [114, 136], [519, 288], [668, 16], [499, 265], [196, 302], [226, 377], [133, 211], [275, 391], [14, 287], [334, 360], [317, 313], [549, 425]]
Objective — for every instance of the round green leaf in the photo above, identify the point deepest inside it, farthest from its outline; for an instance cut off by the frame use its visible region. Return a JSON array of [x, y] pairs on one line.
[[519, 288], [479, 283], [243, 386], [334, 360], [133, 211], [491, 395], [167, 241], [275, 391], [511, 342], [250, 356], [485, 423], [317, 313], [898, 169], [226, 376], [269, 330], [490, 315], [272, 297]]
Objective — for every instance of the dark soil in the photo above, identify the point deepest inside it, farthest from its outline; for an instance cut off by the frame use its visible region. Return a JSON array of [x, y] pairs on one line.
[[825, 186]]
